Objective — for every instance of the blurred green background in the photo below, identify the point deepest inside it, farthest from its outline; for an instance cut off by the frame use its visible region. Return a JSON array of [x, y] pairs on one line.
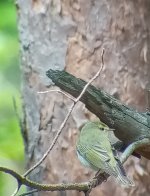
[[11, 144]]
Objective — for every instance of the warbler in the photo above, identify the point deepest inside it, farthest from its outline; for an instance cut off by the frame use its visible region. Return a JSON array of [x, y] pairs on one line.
[[94, 150]]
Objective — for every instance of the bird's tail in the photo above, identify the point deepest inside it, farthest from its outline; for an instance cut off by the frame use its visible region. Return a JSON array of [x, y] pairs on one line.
[[122, 177], [125, 181]]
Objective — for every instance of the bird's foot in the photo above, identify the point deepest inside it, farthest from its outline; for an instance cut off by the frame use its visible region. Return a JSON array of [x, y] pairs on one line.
[[98, 179], [93, 182]]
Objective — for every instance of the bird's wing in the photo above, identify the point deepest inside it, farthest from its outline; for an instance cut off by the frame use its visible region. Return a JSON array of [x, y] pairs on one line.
[[99, 158], [100, 152]]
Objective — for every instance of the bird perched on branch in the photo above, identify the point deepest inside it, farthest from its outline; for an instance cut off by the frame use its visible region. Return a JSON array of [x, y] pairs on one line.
[[95, 151]]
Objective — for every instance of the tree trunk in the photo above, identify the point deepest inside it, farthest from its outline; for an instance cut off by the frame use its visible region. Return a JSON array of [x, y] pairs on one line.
[[70, 35]]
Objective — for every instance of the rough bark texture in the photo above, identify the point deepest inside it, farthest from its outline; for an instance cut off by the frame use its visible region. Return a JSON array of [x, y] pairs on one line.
[[129, 125], [69, 34]]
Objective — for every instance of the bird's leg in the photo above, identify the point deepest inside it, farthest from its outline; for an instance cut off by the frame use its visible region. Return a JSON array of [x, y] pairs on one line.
[[133, 146], [94, 180], [98, 173], [99, 177]]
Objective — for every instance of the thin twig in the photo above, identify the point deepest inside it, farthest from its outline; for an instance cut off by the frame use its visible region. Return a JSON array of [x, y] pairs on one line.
[[67, 117], [93, 78], [58, 91], [53, 143]]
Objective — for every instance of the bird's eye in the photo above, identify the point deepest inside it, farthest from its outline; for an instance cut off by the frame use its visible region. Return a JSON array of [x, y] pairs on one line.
[[102, 128]]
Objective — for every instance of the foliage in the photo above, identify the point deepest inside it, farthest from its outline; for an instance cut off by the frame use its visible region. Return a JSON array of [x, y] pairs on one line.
[[11, 145]]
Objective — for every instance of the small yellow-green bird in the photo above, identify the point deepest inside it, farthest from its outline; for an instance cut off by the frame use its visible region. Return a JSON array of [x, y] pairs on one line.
[[95, 151]]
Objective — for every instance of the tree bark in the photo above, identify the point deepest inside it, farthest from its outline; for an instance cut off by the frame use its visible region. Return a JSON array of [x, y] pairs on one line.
[[70, 35], [129, 125]]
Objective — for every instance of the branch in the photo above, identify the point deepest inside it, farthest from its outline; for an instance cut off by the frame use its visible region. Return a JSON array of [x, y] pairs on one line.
[[131, 148], [85, 187], [58, 91], [129, 124], [75, 101], [111, 111], [46, 187]]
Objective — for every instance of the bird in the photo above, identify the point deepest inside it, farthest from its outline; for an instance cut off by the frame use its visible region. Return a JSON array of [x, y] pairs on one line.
[[94, 150]]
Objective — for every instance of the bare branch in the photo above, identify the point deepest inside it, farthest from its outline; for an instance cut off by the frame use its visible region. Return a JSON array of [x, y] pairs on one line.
[[58, 91], [53, 143], [132, 147], [93, 78], [67, 117], [46, 187]]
